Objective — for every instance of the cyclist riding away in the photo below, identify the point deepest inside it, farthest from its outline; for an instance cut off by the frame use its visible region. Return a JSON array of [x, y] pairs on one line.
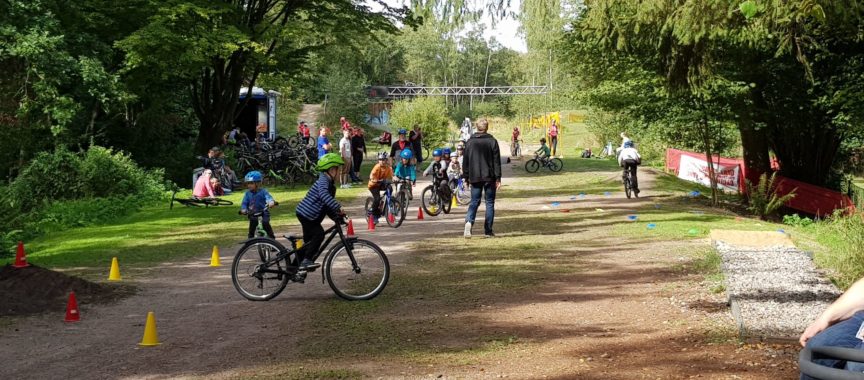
[[319, 202], [256, 200], [379, 179], [405, 170], [438, 169], [629, 159]]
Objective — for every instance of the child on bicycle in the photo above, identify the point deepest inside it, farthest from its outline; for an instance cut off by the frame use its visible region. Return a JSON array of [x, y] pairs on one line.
[[319, 202], [379, 179], [256, 200], [629, 159], [438, 169], [544, 152], [405, 170]]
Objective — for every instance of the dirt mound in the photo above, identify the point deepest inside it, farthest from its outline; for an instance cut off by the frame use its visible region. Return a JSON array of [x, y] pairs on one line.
[[33, 290]]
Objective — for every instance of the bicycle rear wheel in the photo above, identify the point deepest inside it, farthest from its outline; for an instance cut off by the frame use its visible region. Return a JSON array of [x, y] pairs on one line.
[[362, 278], [429, 200], [463, 194], [532, 165], [254, 273], [627, 187], [556, 165]]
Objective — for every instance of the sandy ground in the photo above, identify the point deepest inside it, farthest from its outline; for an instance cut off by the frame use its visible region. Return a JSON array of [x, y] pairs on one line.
[[628, 315]]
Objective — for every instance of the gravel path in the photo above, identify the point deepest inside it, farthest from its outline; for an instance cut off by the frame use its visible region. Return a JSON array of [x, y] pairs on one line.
[[775, 291]]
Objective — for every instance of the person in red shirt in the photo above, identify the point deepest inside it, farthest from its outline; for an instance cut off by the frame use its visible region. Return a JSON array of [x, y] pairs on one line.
[[305, 133], [344, 122]]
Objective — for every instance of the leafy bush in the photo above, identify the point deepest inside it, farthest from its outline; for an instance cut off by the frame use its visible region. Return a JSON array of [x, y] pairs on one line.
[[488, 109], [797, 221], [430, 113], [105, 173], [763, 199]]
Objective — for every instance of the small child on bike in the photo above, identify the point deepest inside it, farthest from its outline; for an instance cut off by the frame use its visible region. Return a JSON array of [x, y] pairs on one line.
[[629, 159], [256, 200], [319, 202], [438, 169], [379, 179], [544, 152], [405, 170]]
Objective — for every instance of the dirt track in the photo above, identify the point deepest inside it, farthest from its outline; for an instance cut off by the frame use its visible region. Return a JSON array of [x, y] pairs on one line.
[[627, 314]]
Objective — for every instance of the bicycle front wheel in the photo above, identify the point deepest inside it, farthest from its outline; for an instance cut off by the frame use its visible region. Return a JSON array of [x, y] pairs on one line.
[[556, 165], [255, 274], [431, 203], [532, 166], [463, 194], [394, 213], [359, 275]]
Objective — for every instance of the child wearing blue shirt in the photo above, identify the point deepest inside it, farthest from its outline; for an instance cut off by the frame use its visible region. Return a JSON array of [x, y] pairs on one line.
[[257, 199]]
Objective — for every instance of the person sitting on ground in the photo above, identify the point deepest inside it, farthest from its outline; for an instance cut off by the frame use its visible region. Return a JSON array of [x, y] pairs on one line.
[[204, 186], [543, 153], [319, 202], [405, 170], [380, 177], [838, 326], [629, 159], [218, 190], [256, 200]]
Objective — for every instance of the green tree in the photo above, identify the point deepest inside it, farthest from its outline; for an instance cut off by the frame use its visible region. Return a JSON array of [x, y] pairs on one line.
[[429, 113]]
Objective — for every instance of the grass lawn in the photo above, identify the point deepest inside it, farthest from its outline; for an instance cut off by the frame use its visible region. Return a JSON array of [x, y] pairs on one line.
[[157, 233]]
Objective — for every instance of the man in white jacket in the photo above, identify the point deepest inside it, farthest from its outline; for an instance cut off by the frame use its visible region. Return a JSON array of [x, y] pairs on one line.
[[629, 159]]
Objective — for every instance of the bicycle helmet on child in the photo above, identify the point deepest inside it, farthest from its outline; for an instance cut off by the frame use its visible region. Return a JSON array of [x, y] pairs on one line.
[[403, 131], [407, 154], [446, 152], [436, 153], [328, 161], [253, 176], [628, 144], [382, 155], [542, 139]]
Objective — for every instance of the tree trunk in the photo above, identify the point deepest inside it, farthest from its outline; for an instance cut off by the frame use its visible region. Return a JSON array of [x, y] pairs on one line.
[[709, 158], [755, 145]]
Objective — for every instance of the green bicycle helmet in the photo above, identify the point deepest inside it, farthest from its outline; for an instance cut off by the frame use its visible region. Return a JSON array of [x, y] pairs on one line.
[[328, 161]]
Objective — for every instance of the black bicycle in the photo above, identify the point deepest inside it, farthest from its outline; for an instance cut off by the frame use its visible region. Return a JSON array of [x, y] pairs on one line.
[[629, 189], [355, 269], [198, 202], [432, 201], [553, 164]]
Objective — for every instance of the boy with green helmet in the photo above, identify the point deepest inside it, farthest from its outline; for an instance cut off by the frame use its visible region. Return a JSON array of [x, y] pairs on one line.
[[319, 202]]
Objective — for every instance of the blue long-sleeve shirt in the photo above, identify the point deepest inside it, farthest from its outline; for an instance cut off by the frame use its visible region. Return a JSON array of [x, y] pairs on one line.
[[405, 171], [319, 201], [255, 201]]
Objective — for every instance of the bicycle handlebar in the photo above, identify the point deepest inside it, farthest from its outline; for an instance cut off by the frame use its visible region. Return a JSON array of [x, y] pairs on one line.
[[808, 367], [259, 213]]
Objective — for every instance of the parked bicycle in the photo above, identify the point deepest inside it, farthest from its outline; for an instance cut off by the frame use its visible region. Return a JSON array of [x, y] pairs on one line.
[[390, 207], [355, 269], [198, 202], [554, 164]]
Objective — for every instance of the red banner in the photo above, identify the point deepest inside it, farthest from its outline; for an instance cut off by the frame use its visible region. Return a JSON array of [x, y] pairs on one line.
[[808, 198]]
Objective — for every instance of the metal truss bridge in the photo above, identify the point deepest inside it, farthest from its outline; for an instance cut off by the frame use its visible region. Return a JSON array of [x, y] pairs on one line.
[[400, 92]]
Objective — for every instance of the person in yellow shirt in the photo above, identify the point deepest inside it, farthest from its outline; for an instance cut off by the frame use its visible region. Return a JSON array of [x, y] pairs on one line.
[[380, 177]]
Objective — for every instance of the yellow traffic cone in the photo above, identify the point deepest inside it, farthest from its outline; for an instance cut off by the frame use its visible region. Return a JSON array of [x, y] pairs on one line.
[[454, 204], [114, 275], [214, 258], [151, 337]]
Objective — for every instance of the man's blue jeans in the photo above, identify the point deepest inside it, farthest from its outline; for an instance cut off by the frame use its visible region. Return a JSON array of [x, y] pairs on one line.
[[476, 191], [839, 335]]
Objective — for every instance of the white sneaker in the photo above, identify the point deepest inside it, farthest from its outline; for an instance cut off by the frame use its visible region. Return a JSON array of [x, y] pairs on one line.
[[467, 229]]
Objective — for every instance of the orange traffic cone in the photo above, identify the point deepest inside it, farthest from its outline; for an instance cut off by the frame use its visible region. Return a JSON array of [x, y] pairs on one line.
[[350, 227], [419, 213], [371, 225], [20, 257], [72, 314]]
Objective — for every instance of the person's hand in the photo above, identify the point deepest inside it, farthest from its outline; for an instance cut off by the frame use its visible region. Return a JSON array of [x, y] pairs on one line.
[[497, 185], [271, 204], [244, 211], [816, 327]]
